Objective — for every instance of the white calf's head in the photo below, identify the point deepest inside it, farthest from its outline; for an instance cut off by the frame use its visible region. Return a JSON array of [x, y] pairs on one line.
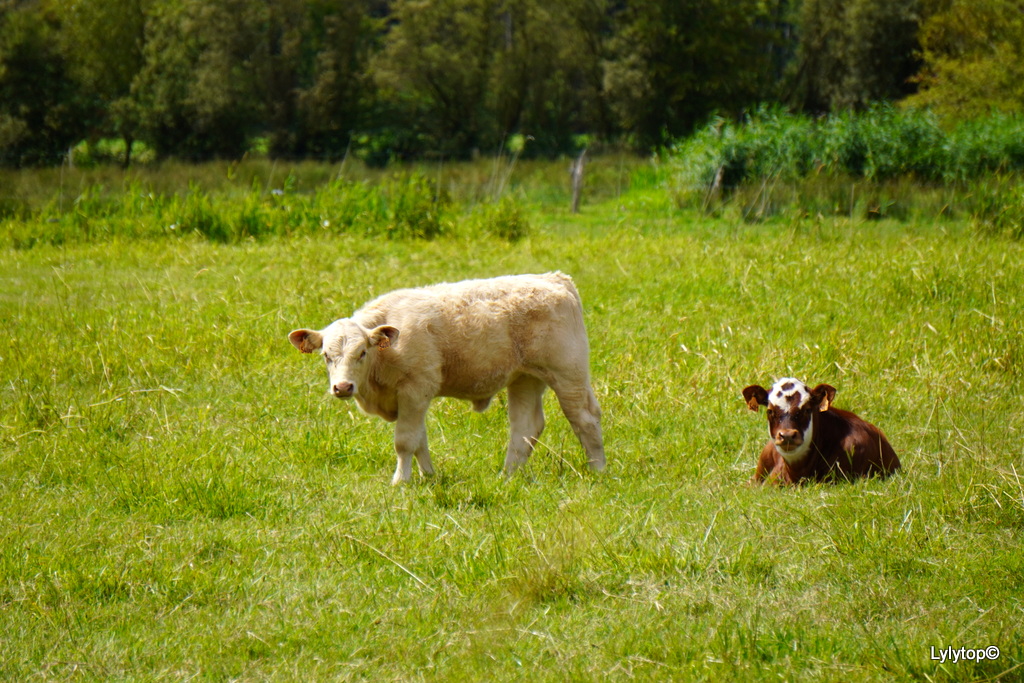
[[349, 349], [792, 408]]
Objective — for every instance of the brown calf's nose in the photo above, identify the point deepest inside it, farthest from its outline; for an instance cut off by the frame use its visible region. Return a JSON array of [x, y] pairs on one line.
[[788, 436], [343, 389]]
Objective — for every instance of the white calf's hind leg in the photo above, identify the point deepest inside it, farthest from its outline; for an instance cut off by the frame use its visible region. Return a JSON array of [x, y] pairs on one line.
[[526, 419], [584, 414], [423, 457]]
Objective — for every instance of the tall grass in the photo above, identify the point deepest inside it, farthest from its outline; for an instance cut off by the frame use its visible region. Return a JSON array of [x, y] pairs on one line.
[[399, 206], [847, 164], [878, 144], [256, 199]]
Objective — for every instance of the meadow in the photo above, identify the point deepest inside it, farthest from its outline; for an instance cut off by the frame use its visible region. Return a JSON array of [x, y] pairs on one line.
[[182, 500]]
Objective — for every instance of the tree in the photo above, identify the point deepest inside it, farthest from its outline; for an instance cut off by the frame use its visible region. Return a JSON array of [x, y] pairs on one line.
[[546, 72], [973, 54], [201, 90], [319, 57], [41, 111], [433, 72], [104, 41], [463, 75], [854, 52], [673, 63]]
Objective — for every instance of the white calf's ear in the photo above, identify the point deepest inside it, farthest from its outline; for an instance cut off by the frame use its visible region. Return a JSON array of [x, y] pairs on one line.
[[384, 336], [306, 341]]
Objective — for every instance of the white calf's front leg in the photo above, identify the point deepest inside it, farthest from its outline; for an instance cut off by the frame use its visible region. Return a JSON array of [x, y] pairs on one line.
[[411, 440], [526, 420]]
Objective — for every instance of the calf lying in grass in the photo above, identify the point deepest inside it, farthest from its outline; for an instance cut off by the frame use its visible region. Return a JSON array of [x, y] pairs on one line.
[[812, 441]]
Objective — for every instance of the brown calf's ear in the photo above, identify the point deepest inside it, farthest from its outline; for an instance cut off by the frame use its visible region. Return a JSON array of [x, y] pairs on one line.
[[823, 394], [306, 341], [384, 336], [755, 396]]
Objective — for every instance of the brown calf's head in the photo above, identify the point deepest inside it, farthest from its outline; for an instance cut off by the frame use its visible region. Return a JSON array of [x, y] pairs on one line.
[[791, 411], [349, 350]]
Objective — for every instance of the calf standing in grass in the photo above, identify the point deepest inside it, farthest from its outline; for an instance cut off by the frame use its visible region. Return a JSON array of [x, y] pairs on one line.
[[465, 340], [811, 440]]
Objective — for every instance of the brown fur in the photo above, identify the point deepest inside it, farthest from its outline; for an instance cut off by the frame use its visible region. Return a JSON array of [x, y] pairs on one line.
[[842, 447]]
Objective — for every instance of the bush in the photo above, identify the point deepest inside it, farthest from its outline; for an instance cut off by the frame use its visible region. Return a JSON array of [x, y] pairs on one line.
[[408, 206], [503, 219], [849, 164], [992, 144], [879, 144]]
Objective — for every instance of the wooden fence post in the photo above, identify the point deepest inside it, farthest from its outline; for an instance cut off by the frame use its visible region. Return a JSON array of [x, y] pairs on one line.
[[576, 171]]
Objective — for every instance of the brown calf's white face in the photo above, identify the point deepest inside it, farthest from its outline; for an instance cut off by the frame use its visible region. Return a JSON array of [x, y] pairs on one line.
[[348, 349], [791, 408]]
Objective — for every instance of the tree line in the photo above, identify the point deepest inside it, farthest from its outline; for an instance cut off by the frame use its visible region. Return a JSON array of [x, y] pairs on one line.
[[398, 79]]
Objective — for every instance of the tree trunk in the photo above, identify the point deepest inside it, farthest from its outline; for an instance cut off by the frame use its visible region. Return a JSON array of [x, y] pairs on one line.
[[128, 140]]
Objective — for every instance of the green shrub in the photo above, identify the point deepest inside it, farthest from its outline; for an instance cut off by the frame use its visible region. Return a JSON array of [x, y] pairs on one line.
[[882, 143], [196, 213], [992, 144], [762, 163], [878, 144], [504, 219], [415, 207], [401, 206]]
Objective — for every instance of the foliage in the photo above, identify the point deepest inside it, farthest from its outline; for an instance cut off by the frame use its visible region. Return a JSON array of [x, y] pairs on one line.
[[199, 87], [435, 59], [671, 63], [505, 219], [319, 91], [974, 59], [41, 112], [106, 151], [879, 144], [459, 76], [397, 206], [331, 79], [853, 53], [545, 83], [104, 41], [883, 163]]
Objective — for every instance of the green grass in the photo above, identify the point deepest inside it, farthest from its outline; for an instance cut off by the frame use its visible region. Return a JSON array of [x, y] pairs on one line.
[[181, 498]]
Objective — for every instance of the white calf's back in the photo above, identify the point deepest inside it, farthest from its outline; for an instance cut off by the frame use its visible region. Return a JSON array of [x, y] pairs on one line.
[[472, 337]]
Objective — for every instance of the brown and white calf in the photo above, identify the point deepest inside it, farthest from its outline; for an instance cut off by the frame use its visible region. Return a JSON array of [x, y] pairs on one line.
[[810, 440], [466, 340]]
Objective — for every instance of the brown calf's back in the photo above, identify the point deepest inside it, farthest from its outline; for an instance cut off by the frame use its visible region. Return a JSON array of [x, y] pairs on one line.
[[843, 447]]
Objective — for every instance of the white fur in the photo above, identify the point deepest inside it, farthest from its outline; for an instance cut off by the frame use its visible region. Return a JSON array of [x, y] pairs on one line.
[[466, 340], [779, 398]]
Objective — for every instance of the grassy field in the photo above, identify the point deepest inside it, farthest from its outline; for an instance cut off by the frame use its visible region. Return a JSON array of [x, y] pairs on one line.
[[181, 499]]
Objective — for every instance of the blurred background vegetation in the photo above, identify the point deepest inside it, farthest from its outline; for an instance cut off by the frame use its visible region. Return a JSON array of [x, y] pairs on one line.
[[132, 81]]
